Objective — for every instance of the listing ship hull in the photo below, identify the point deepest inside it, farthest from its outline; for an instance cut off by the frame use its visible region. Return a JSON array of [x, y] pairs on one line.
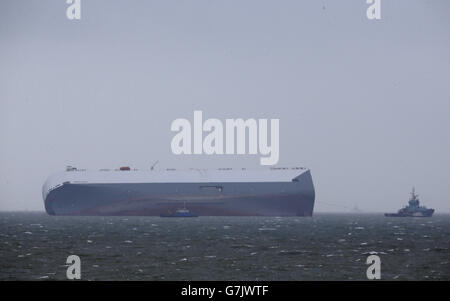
[[291, 196]]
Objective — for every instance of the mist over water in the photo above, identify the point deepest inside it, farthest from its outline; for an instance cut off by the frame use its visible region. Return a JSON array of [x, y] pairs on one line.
[[364, 104], [35, 246]]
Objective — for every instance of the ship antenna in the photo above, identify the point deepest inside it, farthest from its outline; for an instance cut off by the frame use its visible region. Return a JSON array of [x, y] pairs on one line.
[[154, 164], [413, 193]]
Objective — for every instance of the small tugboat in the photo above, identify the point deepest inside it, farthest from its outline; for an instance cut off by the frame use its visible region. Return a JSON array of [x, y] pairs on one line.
[[181, 212], [413, 209]]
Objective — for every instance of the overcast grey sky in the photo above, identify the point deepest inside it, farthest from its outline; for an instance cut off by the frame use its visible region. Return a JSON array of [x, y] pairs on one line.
[[364, 104]]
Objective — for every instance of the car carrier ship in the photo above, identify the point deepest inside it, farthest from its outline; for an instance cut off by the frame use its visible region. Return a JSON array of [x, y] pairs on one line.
[[214, 192]]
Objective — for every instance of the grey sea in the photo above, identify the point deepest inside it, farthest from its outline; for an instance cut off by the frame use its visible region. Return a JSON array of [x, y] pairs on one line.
[[35, 246]]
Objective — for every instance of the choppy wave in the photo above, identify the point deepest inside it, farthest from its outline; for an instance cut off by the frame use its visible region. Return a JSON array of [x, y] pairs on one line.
[[34, 246]]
